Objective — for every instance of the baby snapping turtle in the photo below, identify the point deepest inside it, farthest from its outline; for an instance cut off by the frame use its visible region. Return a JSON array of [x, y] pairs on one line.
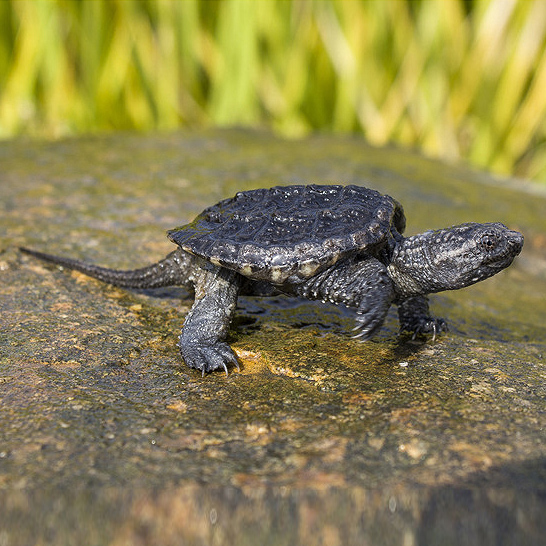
[[341, 244]]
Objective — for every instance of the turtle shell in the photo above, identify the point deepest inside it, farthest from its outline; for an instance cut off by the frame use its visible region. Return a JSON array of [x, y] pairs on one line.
[[274, 234]]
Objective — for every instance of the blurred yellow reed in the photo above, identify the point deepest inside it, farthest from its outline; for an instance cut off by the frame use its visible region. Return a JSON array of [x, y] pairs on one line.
[[458, 80]]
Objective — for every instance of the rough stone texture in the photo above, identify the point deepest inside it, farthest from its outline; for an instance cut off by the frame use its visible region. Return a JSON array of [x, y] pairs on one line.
[[320, 439]]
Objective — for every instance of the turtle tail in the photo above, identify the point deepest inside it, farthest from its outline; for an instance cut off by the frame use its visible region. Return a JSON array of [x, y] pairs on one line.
[[173, 270]]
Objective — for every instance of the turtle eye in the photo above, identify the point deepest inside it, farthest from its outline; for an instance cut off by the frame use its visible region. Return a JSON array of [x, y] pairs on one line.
[[488, 242]]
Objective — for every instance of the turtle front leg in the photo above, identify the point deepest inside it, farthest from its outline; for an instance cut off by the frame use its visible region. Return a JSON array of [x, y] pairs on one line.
[[361, 284], [201, 342], [415, 317]]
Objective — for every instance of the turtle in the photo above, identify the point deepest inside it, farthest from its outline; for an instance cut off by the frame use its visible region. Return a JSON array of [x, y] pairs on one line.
[[342, 244]]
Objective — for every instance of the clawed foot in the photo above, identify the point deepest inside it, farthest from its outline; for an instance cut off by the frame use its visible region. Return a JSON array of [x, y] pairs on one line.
[[367, 325], [426, 325], [208, 357], [373, 307]]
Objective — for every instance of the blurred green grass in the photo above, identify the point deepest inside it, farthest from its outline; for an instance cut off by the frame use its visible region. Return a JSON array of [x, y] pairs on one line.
[[456, 79]]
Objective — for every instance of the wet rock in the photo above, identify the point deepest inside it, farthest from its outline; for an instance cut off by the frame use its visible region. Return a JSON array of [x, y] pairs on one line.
[[320, 439]]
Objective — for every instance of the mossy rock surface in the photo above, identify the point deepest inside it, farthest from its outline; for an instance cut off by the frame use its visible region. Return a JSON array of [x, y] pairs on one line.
[[107, 438]]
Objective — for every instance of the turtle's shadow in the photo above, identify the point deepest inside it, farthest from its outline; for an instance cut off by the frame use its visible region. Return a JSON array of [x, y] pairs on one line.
[[406, 346]]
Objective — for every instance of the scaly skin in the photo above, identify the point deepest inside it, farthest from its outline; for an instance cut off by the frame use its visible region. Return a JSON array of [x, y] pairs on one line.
[[402, 272], [174, 270]]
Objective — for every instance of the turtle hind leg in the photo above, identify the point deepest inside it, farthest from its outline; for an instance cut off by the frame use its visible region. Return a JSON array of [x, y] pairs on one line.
[[201, 342], [414, 316]]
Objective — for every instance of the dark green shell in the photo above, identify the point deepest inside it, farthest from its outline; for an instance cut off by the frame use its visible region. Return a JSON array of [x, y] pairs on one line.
[[273, 234]]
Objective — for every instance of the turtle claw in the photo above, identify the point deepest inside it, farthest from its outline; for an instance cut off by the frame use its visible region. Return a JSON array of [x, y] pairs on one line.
[[428, 325], [207, 357], [367, 325]]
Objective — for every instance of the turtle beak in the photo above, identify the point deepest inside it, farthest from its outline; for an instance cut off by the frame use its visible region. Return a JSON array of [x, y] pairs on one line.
[[515, 240]]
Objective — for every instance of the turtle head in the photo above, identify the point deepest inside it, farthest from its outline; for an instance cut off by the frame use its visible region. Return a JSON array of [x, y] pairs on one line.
[[452, 258]]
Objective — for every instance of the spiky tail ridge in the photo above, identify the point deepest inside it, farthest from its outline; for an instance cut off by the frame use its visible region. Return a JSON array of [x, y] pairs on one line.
[[173, 270]]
